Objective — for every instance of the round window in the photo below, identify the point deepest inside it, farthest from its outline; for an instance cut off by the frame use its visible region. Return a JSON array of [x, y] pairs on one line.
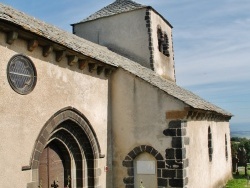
[[21, 74]]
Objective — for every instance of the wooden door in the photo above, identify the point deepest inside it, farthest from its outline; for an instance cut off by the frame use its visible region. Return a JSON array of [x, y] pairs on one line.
[[51, 168]]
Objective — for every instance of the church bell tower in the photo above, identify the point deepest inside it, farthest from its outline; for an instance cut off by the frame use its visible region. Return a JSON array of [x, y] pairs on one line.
[[135, 31]]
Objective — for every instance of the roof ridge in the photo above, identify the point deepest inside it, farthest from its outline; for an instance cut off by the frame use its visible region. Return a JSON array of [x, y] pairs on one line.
[[117, 7]]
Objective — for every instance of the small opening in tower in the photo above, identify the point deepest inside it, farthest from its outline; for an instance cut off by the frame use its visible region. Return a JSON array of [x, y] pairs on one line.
[[163, 42], [166, 45], [210, 144]]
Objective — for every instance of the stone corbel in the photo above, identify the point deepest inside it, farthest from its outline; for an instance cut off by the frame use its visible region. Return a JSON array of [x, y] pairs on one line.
[[99, 69], [59, 55], [72, 59], [92, 67], [32, 44], [194, 115], [47, 50], [82, 63], [11, 37], [108, 72], [189, 114]]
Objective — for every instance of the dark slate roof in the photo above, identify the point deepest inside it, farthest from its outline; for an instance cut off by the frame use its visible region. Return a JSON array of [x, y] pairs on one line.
[[119, 6], [104, 55]]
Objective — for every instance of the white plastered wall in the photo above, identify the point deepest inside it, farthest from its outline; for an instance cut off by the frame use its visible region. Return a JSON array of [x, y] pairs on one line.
[[23, 116], [201, 172], [138, 118], [125, 33], [163, 65]]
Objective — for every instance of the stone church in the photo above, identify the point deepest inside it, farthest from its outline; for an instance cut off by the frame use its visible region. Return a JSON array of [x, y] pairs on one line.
[[100, 108]]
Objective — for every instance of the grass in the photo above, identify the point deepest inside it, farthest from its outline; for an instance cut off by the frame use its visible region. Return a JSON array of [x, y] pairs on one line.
[[240, 181]]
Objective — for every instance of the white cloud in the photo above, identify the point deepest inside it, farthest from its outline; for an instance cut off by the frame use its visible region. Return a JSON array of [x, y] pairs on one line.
[[214, 52]]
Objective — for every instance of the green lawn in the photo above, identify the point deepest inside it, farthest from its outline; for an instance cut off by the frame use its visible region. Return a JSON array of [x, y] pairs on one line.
[[239, 181]]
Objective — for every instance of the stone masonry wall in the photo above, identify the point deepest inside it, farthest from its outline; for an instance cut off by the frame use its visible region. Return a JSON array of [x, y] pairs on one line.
[[176, 160]]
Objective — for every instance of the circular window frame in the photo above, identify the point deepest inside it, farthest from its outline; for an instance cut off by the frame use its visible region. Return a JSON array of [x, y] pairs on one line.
[[30, 70]]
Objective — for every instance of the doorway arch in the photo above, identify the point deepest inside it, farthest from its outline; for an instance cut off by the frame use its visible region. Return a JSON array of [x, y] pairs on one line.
[[128, 162], [70, 139]]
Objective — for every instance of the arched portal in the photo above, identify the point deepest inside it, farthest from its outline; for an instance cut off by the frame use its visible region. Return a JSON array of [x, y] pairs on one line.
[[66, 152]]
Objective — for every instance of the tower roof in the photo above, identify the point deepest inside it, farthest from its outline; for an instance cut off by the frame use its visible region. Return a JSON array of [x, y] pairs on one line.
[[117, 7]]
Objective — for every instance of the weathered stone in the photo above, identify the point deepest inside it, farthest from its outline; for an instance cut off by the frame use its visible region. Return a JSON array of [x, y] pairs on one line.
[[180, 153], [128, 163], [130, 186], [177, 142], [137, 150], [154, 152], [170, 154], [161, 164], [168, 173], [174, 124], [132, 154], [159, 172], [162, 182], [149, 149], [186, 140], [185, 163], [159, 157], [181, 132], [130, 171], [176, 182], [128, 180], [169, 132]]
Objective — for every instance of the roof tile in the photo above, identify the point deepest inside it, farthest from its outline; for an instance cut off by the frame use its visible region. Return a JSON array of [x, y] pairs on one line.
[[119, 6], [104, 55]]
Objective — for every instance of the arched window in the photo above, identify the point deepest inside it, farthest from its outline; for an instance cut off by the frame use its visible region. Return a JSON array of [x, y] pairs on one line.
[[210, 144], [166, 45], [160, 40], [163, 43]]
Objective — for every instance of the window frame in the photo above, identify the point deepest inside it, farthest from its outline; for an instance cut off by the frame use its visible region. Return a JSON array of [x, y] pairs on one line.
[[25, 68]]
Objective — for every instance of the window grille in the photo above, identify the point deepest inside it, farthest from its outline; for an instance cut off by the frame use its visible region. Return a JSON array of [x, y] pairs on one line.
[[21, 74]]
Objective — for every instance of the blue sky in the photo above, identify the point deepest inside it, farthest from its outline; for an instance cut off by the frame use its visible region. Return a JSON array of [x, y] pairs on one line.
[[211, 42]]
